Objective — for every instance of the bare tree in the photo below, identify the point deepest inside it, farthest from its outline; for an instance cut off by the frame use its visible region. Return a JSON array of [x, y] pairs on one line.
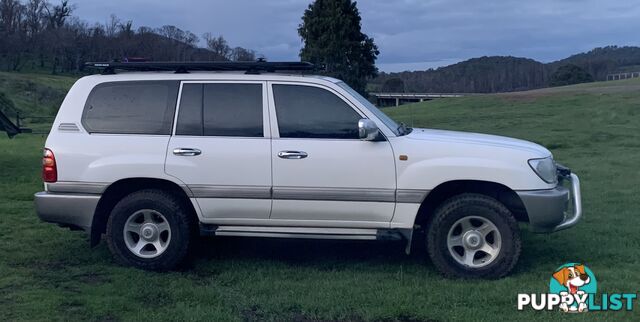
[[34, 16], [242, 54], [218, 46], [58, 14], [112, 26], [126, 29], [12, 37], [10, 16]]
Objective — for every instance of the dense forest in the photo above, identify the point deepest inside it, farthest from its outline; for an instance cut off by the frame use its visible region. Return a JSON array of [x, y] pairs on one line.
[[506, 73], [41, 36]]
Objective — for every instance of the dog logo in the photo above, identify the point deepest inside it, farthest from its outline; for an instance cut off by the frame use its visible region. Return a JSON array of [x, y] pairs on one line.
[[573, 289], [574, 281]]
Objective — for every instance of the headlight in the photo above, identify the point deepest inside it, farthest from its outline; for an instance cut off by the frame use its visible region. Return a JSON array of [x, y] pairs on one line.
[[545, 169]]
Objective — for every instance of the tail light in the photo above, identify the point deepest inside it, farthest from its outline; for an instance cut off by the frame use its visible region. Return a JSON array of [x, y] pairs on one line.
[[49, 168]]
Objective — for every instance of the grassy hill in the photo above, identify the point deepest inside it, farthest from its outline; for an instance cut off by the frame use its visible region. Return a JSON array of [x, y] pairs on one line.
[[562, 118], [36, 96], [50, 273]]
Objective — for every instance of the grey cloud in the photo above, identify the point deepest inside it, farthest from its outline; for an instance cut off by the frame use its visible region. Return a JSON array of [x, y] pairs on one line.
[[409, 33]]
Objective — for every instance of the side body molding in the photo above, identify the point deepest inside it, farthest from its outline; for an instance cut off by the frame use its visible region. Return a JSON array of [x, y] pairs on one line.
[[308, 193]]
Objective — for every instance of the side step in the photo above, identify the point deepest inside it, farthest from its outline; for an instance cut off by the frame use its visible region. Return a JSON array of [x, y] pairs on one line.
[[303, 232]]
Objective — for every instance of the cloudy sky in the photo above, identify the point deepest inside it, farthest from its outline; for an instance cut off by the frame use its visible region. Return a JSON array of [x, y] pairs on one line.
[[411, 34]]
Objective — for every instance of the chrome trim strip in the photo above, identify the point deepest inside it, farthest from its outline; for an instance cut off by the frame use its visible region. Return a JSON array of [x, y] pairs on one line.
[[334, 194], [265, 192], [94, 188], [411, 195], [240, 192], [308, 193]]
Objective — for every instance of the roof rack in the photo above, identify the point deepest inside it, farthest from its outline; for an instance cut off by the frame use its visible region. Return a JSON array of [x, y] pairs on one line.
[[185, 67]]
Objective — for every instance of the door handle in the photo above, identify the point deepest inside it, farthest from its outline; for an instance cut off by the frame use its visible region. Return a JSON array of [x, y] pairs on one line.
[[187, 152], [292, 155]]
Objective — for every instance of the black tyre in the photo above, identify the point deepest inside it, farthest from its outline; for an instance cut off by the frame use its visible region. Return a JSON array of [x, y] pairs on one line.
[[473, 236], [150, 229]]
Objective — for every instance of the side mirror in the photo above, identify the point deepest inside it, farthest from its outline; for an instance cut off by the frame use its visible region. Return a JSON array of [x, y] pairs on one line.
[[368, 130]]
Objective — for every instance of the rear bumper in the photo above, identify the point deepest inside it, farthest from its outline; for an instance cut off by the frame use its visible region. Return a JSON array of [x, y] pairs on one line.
[[67, 210], [554, 209]]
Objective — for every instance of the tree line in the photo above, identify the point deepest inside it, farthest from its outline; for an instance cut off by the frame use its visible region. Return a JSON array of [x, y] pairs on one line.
[[38, 35]]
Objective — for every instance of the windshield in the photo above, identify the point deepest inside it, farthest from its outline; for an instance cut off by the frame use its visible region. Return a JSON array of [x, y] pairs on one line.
[[391, 124]]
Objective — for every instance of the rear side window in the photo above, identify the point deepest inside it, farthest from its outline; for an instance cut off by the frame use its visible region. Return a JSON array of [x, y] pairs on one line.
[[190, 112], [312, 112], [145, 107], [221, 110]]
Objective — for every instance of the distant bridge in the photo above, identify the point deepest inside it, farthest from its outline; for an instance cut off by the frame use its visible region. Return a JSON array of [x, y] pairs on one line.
[[397, 99]]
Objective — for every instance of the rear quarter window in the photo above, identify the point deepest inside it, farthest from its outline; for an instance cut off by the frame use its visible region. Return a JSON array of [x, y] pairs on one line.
[[141, 107]]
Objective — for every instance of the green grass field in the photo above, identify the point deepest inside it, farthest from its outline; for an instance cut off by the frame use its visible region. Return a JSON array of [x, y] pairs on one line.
[[48, 273], [36, 96]]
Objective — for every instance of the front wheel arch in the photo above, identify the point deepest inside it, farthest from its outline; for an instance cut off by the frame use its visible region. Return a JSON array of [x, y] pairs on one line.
[[449, 189]]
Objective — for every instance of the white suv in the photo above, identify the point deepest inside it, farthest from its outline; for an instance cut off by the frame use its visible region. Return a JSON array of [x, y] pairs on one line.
[[153, 159]]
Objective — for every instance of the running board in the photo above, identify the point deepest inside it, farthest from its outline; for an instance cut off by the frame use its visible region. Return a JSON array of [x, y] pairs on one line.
[[302, 232]]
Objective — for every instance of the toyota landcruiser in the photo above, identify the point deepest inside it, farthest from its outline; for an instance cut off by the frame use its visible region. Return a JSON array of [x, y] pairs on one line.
[[151, 158]]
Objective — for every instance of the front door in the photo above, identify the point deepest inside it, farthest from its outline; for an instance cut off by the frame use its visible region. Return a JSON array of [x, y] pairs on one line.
[[323, 174], [221, 148]]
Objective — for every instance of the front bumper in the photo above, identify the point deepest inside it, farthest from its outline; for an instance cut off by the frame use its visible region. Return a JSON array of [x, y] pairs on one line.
[[67, 210], [554, 209]]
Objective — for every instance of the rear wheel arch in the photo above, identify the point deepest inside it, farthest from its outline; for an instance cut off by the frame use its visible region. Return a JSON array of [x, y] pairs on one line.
[[120, 189], [449, 189]]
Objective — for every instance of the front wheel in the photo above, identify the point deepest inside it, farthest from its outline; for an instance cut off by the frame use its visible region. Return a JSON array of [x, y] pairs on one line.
[[150, 229], [473, 236]]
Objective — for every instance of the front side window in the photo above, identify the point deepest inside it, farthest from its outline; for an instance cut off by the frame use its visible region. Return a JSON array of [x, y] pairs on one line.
[[312, 112], [144, 107], [221, 110]]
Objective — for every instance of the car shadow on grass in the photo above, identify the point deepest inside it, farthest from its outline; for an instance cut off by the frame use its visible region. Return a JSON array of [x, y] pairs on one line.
[[307, 252], [539, 253]]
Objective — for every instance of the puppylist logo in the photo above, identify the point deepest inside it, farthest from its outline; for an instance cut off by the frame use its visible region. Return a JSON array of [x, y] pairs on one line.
[[573, 289]]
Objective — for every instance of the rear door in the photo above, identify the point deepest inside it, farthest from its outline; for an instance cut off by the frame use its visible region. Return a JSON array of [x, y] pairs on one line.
[[221, 148]]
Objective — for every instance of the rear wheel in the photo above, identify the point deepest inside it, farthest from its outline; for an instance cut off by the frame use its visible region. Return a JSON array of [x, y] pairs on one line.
[[471, 236], [150, 229]]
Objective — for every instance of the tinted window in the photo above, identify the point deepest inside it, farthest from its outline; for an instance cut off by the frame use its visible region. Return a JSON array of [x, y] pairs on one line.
[[131, 107], [221, 110], [311, 112], [190, 113]]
